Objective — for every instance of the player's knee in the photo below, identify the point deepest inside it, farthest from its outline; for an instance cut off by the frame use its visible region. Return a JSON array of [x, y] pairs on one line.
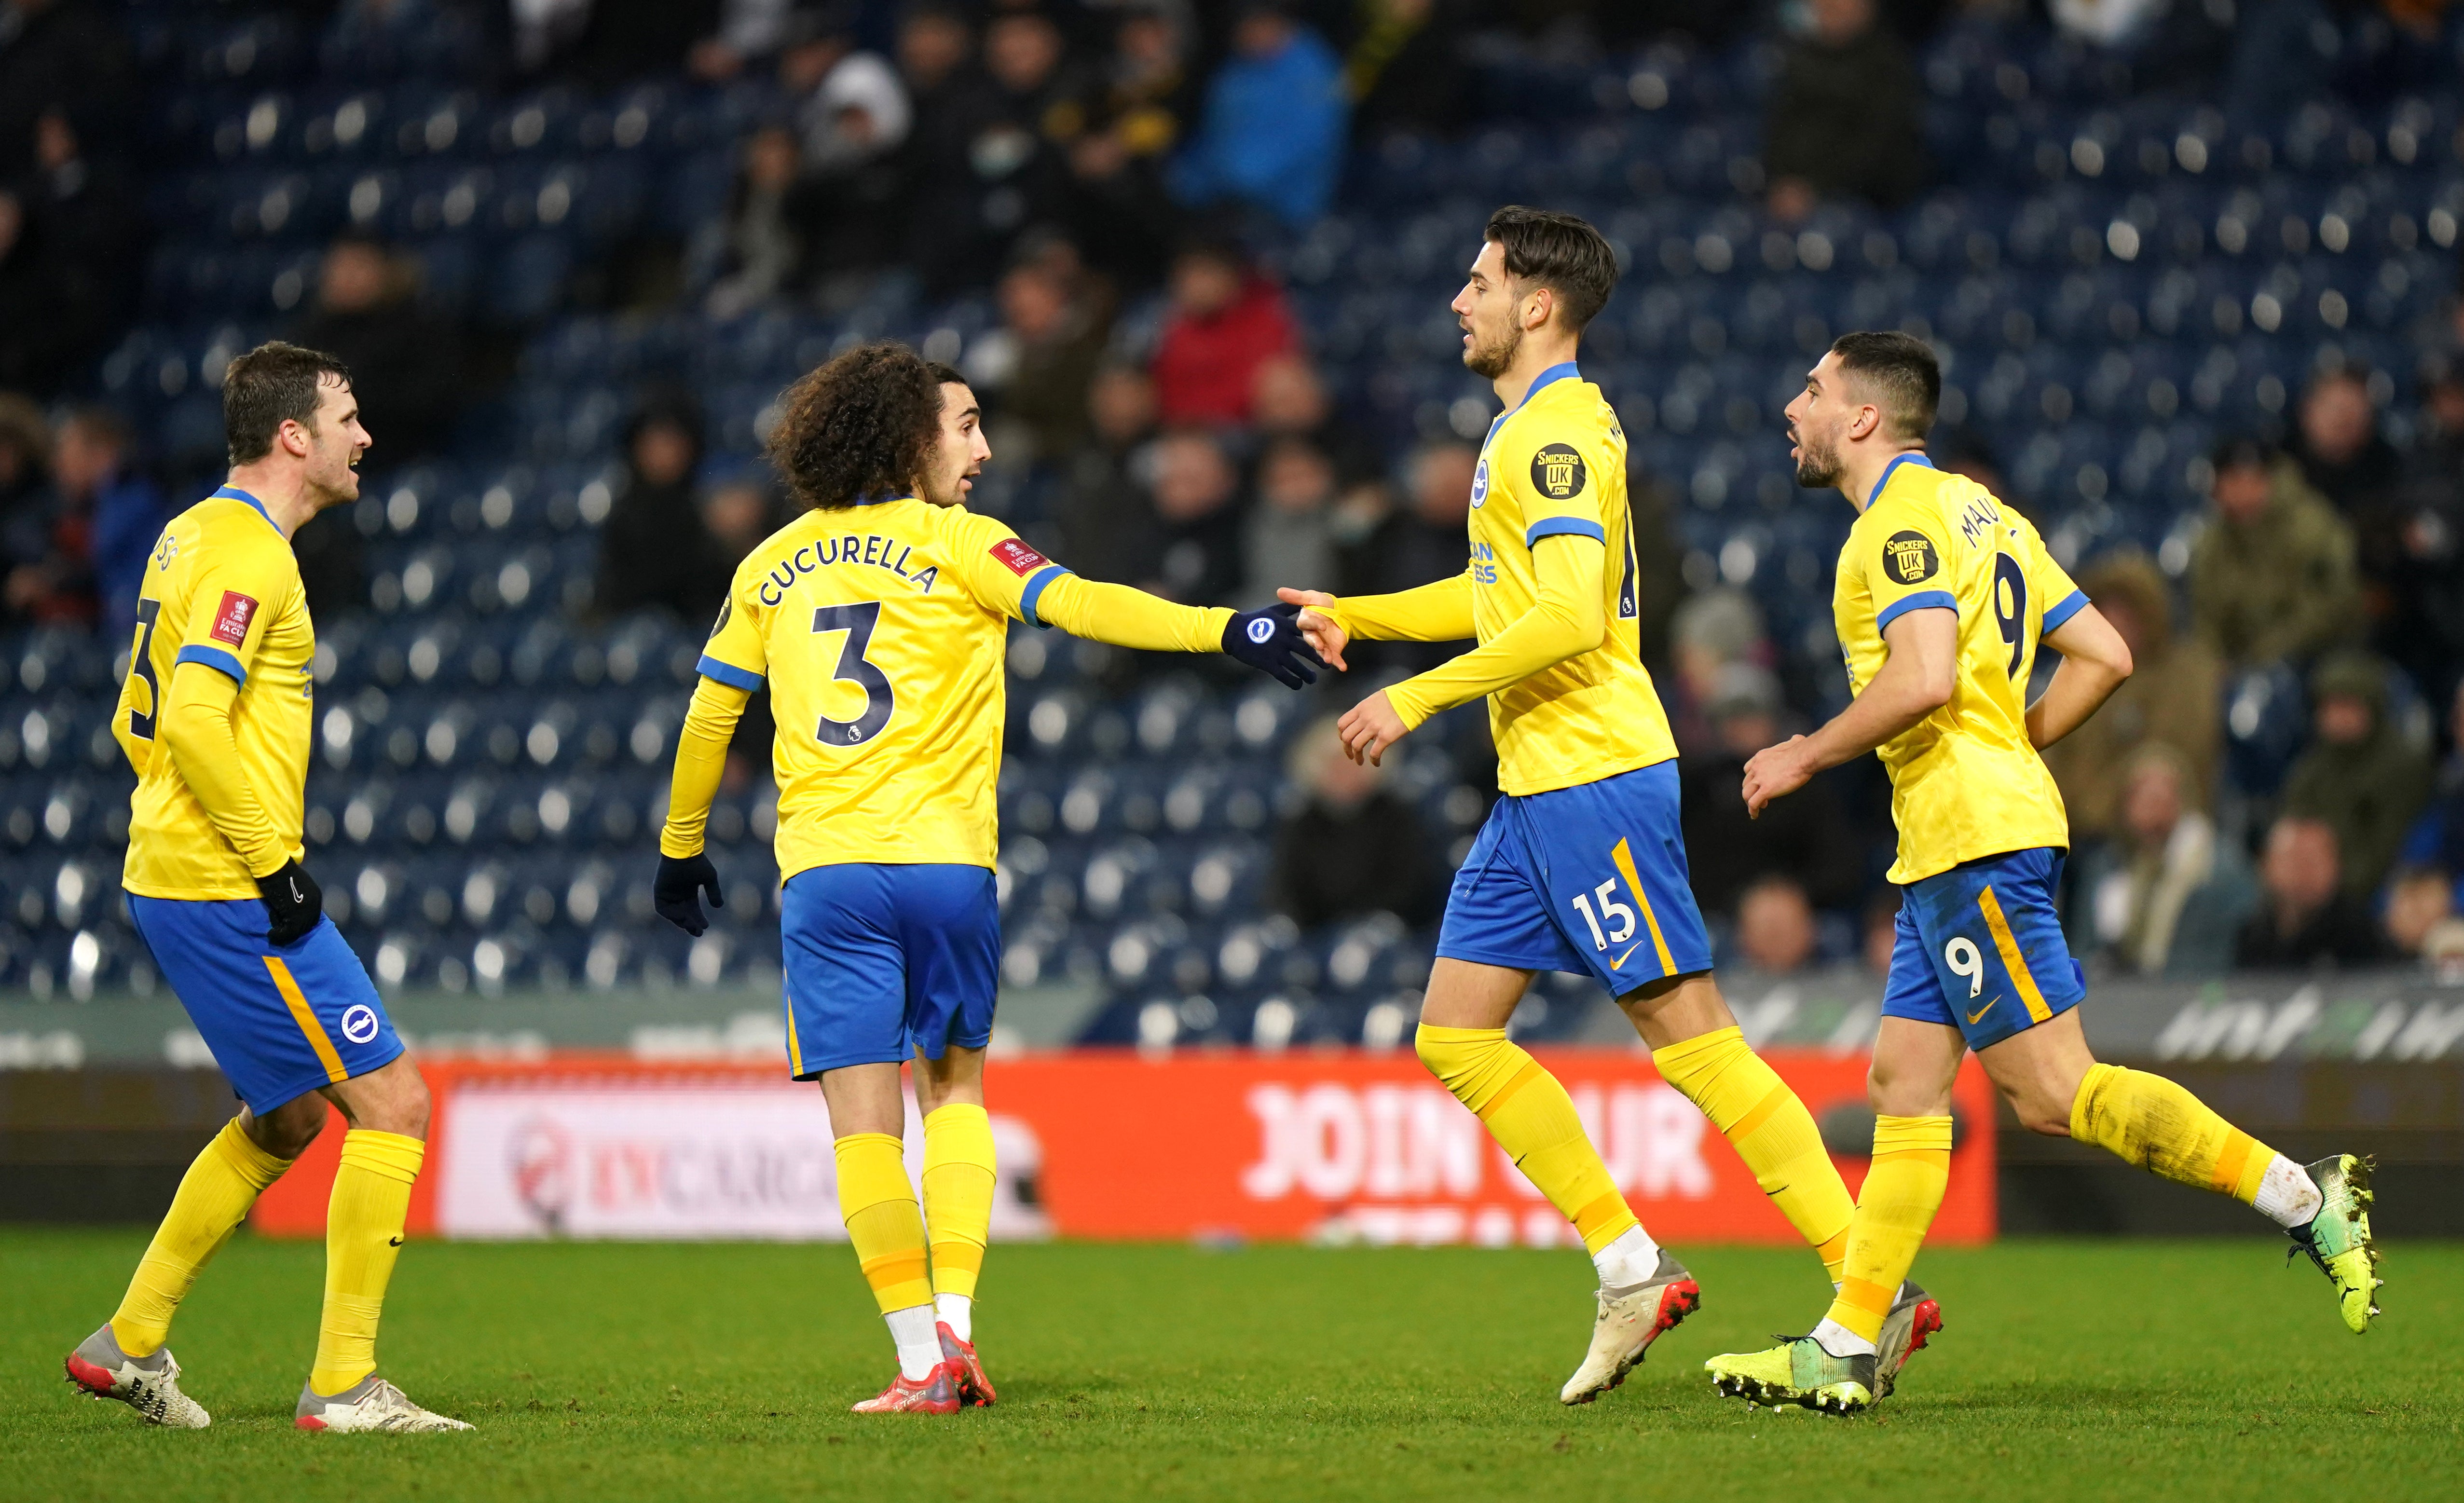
[[402, 1109], [286, 1133]]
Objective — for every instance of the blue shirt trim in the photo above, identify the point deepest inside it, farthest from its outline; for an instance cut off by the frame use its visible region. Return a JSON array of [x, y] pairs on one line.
[[727, 673], [2063, 609], [233, 492], [1894, 468], [1036, 585], [215, 659], [1922, 600], [1565, 526]]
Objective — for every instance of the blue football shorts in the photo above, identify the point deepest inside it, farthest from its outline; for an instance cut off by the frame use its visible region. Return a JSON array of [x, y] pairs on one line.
[[1588, 879], [1980, 948], [883, 962], [281, 1020]]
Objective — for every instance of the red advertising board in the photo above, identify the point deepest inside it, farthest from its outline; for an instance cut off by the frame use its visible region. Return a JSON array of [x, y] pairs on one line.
[[1104, 1144]]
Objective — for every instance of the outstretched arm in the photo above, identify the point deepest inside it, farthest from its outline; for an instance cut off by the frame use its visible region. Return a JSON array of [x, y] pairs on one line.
[[1128, 617], [1915, 681], [2095, 661], [1569, 616]]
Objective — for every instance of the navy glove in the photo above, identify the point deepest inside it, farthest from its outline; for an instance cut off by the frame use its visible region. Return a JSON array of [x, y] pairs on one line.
[[293, 901], [677, 892], [1270, 641]]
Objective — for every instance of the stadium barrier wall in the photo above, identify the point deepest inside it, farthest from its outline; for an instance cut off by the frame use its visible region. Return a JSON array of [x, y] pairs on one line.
[[1347, 1146]]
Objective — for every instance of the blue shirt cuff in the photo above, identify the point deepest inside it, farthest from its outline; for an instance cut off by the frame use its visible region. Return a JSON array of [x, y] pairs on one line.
[[1035, 587], [215, 659], [1922, 600], [1565, 527], [727, 673], [2061, 610]]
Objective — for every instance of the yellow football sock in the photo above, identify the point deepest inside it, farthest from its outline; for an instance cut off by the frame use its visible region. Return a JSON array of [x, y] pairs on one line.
[[1771, 1131], [1533, 1120], [1902, 1192], [363, 1225], [2149, 1121], [957, 1194], [882, 1221], [213, 1197]]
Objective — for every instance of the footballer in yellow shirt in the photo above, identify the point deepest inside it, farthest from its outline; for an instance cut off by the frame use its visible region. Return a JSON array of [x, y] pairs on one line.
[[1581, 866], [215, 716], [1943, 596], [880, 620]]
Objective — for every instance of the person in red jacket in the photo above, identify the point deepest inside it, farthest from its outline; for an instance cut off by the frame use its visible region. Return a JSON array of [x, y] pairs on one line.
[[1225, 322]]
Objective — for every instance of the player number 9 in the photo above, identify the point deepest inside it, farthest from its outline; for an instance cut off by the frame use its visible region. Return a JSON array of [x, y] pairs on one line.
[[2011, 580], [1961, 956]]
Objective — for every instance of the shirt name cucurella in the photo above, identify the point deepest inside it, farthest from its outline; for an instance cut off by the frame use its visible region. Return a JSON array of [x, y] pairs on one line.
[[871, 548]]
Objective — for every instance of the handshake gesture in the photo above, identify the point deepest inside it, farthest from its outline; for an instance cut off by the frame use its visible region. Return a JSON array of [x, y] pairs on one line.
[[1368, 728]]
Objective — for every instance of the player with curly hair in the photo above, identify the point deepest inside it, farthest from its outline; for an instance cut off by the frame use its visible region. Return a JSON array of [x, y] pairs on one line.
[[880, 620]]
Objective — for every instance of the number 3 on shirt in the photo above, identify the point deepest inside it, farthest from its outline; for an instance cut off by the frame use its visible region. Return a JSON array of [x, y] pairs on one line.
[[857, 621]]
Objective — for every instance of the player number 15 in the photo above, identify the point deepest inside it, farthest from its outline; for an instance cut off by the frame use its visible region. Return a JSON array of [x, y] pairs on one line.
[[1621, 918]]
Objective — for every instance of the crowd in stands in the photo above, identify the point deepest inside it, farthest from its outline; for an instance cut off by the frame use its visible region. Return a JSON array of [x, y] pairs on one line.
[[1122, 181]]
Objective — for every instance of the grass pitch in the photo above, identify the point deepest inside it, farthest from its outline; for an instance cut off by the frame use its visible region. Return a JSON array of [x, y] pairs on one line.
[[2161, 1370]]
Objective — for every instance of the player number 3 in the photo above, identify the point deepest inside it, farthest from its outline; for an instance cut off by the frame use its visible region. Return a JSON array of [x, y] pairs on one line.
[[1621, 918], [1963, 959], [857, 621]]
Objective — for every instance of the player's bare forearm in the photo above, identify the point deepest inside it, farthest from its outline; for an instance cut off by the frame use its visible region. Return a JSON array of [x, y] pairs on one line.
[[194, 730], [2095, 662], [701, 760], [1913, 683]]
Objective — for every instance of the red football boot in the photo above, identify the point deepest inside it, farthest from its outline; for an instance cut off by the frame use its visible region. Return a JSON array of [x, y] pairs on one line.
[[935, 1393], [960, 1357]]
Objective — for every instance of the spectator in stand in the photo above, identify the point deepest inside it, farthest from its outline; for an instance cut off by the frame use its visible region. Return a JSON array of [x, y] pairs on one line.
[[1726, 850], [1106, 523], [1290, 539], [1352, 848], [124, 508], [755, 250], [1120, 133], [51, 313], [1272, 134], [1197, 545], [946, 240], [88, 210], [1714, 630], [2272, 577], [2172, 699], [405, 361], [2338, 444], [1289, 400], [1038, 367], [2306, 917], [1402, 549], [746, 32], [2421, 912], [2362, 775], [1775, 933], [46, 547], [2437, 838], [64, 54], [2422, 630], [2165, 897], [1846, 115], [736, 515], [622, 40], [654, 551], [1405, 68], [1223, 321], [852, 118]]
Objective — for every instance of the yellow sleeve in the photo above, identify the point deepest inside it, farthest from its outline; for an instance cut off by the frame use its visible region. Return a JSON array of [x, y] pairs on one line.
[[242, 581], [1562, 471], [736, 654], [1569, 617], [1126, 617], [701, 756], [1439, 612], [2057, 596], [1903, 569], [195, 728], [139, 749]]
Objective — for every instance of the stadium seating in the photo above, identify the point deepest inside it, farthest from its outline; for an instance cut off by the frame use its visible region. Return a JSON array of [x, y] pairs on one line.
[[2118, 281]]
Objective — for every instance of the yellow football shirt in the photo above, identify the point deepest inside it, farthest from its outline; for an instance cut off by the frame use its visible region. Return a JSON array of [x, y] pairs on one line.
[[1966, 782], [881, 630], [221, 588], [1556, 465]]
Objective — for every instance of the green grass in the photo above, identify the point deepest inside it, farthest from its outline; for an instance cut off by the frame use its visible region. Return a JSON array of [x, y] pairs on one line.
[[2069, 1370]]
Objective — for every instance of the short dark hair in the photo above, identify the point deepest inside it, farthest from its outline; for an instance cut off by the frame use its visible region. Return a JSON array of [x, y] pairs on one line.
[[1901, 371], [1560, 253], [270, 386], [861, 425], [2241, 451]]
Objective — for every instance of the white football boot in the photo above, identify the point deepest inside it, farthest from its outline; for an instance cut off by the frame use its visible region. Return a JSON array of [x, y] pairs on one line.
[[371, 1403], [1630, 1319], [148, 1384]]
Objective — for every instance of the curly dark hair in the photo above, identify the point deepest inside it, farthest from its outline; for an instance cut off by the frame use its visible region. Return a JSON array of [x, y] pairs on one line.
[[861, 425]]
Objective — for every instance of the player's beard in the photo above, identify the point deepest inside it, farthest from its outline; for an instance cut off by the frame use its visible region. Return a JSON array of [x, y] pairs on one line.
[[1818, 468], [1492, 358]]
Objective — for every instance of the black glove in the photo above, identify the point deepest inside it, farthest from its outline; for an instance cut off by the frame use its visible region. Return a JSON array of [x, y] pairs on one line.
[[293, 901], [676, 890], [1270, 641]]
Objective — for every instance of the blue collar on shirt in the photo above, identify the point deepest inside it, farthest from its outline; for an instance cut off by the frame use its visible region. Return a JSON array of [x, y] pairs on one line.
[[235, 493], [1563, 370], [1894, 468], [880, 501]]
